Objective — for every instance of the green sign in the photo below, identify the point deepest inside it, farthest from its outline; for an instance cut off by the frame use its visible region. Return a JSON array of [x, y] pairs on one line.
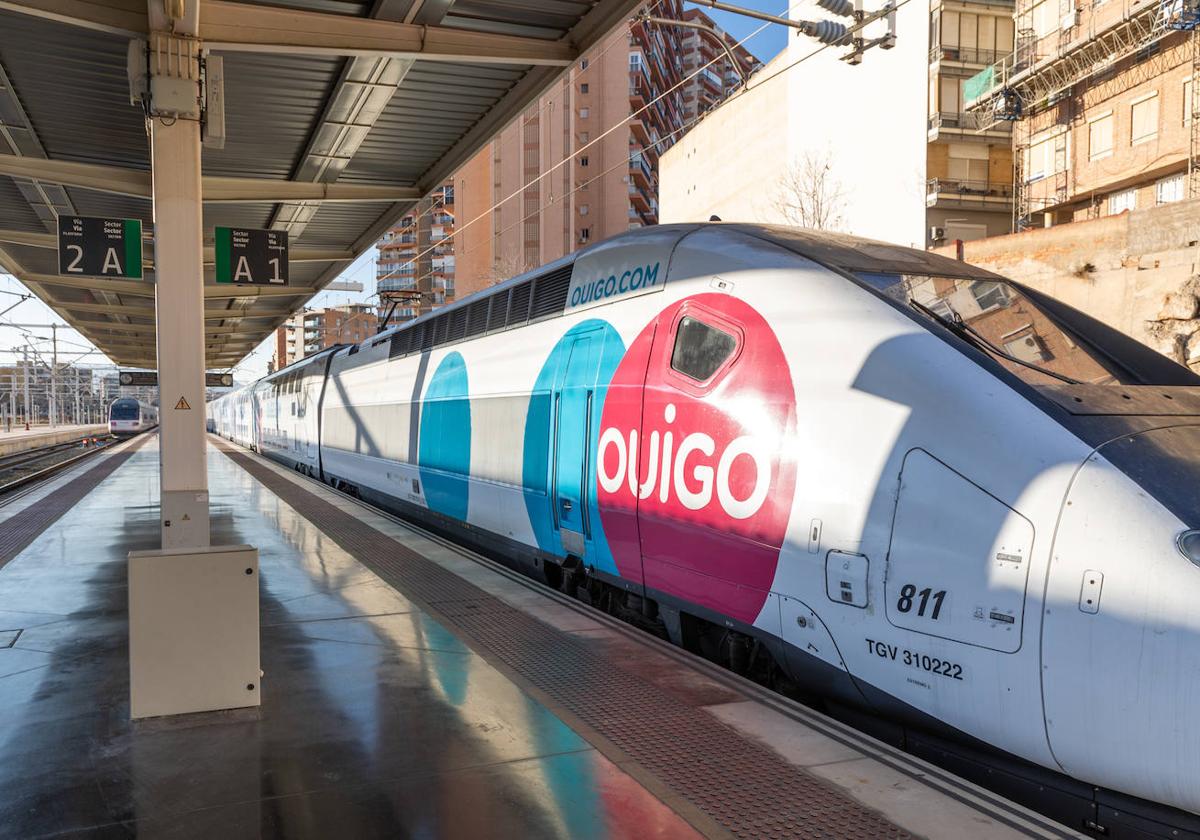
[[96, 247], [245, 255]]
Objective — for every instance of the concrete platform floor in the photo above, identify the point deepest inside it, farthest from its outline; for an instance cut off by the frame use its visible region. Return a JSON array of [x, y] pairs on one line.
[[379, 720], [376, 721]]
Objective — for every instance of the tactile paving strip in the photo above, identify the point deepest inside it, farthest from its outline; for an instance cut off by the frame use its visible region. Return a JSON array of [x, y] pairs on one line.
[[740, 785], [19, 530]]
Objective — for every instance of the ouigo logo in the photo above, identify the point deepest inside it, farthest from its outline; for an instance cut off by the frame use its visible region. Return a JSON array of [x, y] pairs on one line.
[[695, 480], [690, 474]]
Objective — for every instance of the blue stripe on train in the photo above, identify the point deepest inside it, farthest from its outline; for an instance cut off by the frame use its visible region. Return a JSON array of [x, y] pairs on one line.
[[444, 447], [537, 463]]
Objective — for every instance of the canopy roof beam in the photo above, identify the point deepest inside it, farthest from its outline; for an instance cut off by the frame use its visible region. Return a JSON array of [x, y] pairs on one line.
[[215, 188], [242, 27]]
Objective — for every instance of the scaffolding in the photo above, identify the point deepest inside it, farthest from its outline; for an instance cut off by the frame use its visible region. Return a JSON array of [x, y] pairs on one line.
[[1025, 84], [1193, 170]]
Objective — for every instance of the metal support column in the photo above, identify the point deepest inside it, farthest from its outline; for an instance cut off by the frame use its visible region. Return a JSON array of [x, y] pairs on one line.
[[179, 293], [54, 376]]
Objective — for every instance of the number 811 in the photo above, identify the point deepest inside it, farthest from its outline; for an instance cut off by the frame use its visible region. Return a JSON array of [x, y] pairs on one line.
[[910, 596]]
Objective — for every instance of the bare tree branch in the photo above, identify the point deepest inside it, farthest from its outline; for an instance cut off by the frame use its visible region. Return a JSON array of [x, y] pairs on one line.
[[809, 195]]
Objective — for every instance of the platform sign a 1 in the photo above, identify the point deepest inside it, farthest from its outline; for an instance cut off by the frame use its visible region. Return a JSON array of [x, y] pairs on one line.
[[245, 255], [95, 247]]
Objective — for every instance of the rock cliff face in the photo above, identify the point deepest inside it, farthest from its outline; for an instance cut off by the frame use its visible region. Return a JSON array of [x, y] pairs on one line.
[[1137, 271], [1175, 331]]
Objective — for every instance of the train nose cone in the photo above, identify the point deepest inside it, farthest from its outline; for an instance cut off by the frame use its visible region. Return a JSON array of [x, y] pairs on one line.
[[1121, 632]]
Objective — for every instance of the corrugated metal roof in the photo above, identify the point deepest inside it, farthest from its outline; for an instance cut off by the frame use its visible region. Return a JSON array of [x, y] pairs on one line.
[[70, 82], [271, 104], [18, 215], [74, 90]]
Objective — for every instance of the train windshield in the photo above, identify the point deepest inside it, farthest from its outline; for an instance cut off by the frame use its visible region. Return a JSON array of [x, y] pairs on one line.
[[1003, 322], [122, 410]]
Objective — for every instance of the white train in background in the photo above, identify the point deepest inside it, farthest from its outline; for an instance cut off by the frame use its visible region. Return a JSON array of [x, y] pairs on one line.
[[128, 416], [937, 503]]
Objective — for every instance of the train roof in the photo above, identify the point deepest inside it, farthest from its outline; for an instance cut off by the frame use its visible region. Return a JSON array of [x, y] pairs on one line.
[[838, 251], [857, 255]]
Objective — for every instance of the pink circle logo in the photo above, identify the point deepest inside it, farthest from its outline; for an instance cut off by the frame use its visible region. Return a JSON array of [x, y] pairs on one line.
[[695, 479]]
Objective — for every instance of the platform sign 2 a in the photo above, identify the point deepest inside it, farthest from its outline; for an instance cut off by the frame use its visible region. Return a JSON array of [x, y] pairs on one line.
[[245, 255], [95, 247]]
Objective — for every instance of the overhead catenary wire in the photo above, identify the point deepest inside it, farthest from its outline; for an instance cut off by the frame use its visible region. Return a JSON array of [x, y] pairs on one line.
[[618, 165], [527, 117], [567, 158]]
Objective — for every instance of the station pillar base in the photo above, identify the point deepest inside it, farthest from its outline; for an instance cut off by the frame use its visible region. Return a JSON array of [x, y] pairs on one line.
[[193, 630], [184, 518]]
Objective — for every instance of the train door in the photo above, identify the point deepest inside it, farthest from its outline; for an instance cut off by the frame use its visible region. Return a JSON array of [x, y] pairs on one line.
[[574, 393], [716, 467]]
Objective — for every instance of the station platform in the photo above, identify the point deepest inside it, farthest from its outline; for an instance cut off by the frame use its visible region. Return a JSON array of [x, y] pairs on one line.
[[20, 440], [410, 689]]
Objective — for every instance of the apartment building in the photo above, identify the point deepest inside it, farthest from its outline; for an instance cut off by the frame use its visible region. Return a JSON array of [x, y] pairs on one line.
[[969, 165], [1100, 97], [581, 164], [415, 268], [558, 178], [312, 330], [710, 73]]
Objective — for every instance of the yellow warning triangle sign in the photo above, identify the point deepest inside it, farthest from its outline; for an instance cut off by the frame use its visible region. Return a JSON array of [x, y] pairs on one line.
[[182, 404]]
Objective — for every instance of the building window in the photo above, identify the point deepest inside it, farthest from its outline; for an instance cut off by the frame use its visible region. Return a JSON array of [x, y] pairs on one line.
[[583, 160], [1122, 201], [583, 64], [1041, 160], [583, 88], [1100, 137], [1187, 101], [583, 209], [1044, 18], [1170, 189], [583, 136], [584, 113], [585, 234], [1144, 118]]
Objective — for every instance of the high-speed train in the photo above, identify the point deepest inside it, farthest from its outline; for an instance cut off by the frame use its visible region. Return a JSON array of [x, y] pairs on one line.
[[128, 416], [941, 504]]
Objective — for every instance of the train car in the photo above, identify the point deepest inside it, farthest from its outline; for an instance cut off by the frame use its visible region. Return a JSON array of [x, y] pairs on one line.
[[237, 416], [288, 404], [128, 416], [936, 502]]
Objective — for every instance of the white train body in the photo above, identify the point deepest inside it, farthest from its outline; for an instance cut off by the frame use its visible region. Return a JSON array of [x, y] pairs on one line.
[[128, 416], [910, 526]]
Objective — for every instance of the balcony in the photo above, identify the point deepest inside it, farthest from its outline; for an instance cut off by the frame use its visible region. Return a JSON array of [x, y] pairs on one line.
[[640, 173], [966, 123], [956, 192], [640, 202], [397, 284], [964, 55]]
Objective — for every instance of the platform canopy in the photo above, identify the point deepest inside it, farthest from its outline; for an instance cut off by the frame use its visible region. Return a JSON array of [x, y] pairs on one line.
[[338, 116]]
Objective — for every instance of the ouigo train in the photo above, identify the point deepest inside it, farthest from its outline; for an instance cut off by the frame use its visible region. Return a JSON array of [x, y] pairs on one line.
[[941, 504]]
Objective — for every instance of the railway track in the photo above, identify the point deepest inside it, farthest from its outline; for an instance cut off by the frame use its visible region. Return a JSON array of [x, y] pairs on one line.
[[21, 472]]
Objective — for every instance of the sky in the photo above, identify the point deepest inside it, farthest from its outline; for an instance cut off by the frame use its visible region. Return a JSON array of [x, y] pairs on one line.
[[73, 347], [766, 44]]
